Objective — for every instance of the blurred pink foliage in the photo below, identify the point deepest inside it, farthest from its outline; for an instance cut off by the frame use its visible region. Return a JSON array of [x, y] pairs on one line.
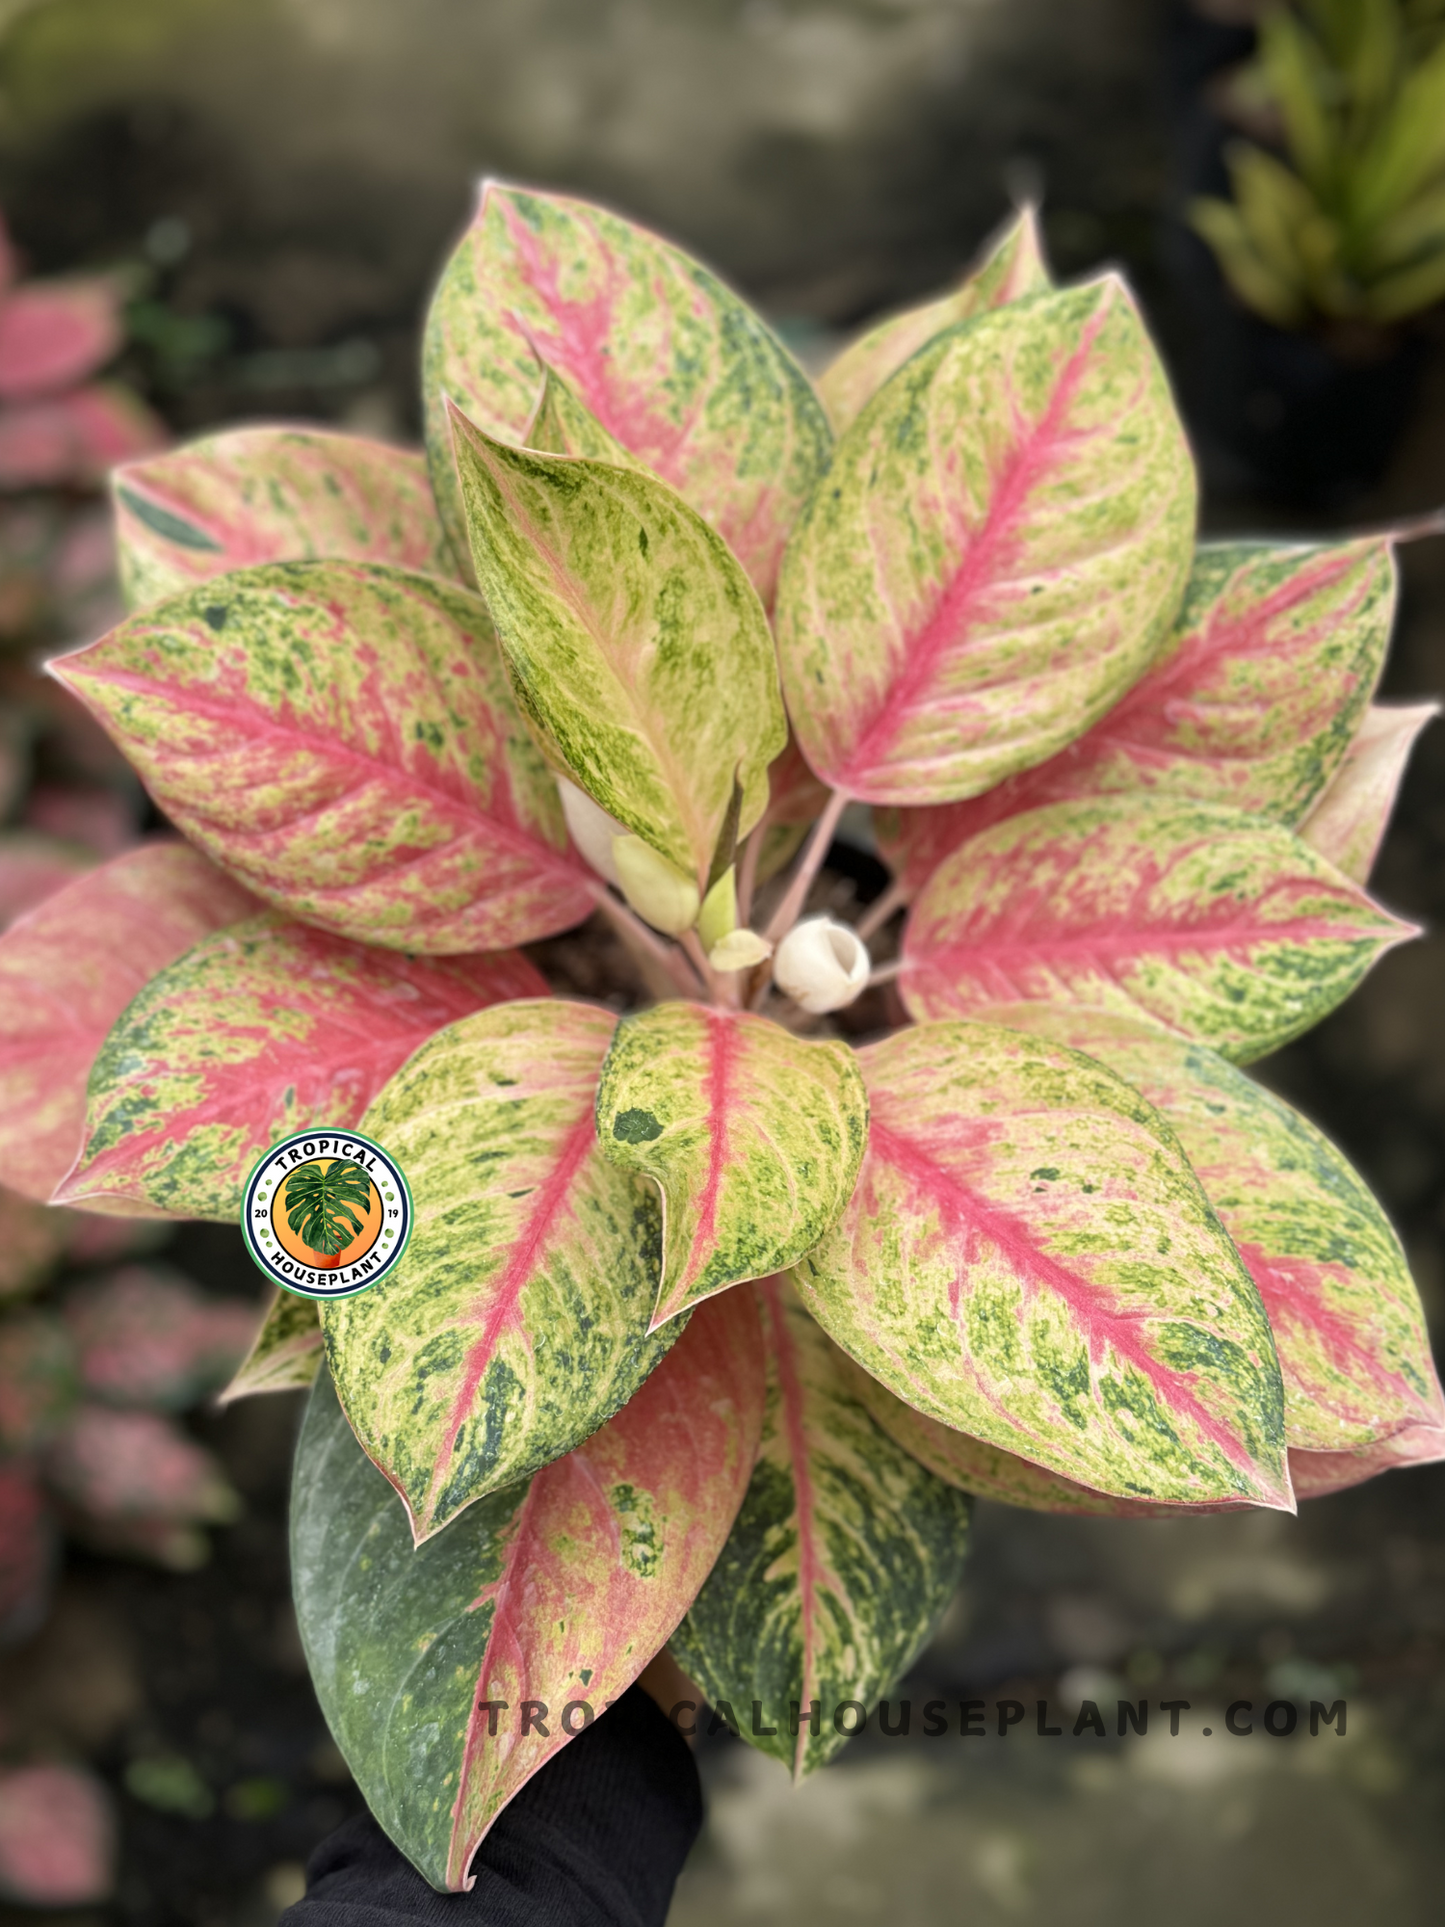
[[57, 1836]]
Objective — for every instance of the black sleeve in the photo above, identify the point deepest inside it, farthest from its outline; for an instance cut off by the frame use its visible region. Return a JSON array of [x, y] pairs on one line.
[[596, 1839]]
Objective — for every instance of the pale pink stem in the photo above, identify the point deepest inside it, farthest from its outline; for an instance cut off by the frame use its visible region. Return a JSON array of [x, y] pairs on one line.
[[748, 871], [796, 895], [877, 914], [667, 955], [722, 984], [1411, 528], [885, 973]]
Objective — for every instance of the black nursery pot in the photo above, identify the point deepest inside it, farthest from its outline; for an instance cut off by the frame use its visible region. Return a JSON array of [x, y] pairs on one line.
[[1274, 414]]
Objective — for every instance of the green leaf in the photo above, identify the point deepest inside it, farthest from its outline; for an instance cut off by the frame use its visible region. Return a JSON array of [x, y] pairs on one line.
[[1346, 1317], [342, 739], [1012, 265], [998, 554], [1219, 926], [844, 1556], [517, 1320], [287, 1353], [1351, 816], [553, 1593], [635, 644], [1029, 1258], [754, 1137], [262, 1030], [669, 361], [271, 495]]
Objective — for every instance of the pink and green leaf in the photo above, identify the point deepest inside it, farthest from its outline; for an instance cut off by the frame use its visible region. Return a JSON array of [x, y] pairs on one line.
[[120, 1466], [552, 1594], [57, 1836], [636, 646], [287, 1352], [842, 1560], [1029, 1258], [1348, 822], [253, 495], [517, 1321], [265, 1028], [1011, 267], [672, 364], [342, 739], [1265, 678], [1347, 1321], [67, 971], [38, 1381], [998, 555], [55, 333], [752, 1135], [1219, 926], [145, 1336], [1317, 1474], [33, 868]]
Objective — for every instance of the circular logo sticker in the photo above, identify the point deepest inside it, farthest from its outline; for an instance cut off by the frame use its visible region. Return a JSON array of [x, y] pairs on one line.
[[327, 1213]]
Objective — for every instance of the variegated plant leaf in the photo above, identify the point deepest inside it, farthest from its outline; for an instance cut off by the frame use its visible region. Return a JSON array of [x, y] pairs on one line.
[[1349, 821], [145, 1335], [999, 552], [1267, 674], [987, 1471], [1219, 926], [67, 971], [842, 1560], [517, 1321], [1317, 1474], [287, 1353], [253, 495], [635, 644], [552, 1594], [263, 1029], [753, 1136], [672, 363], [33, 868], [341, 738], [1347, 1320], [1029, 1258], [564, 425], [1010, 266]]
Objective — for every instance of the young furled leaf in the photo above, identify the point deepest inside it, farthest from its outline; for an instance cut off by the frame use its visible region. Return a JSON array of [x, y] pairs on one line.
[[259, 1031], [253, 495], [341, 738], [1011, 266], [451, 1672], [1347, 1320], [753, 1136], [1268, 670], [67, 971], [1217, 925], [1029, 1258], [1000, 550], [671, 363], [843, 1557], [1348, 822], [635, 644], [287, 1353], [517, 1321]]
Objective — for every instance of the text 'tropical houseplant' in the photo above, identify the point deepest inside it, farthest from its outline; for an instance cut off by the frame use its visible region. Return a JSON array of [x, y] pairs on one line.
[[709, 1323]]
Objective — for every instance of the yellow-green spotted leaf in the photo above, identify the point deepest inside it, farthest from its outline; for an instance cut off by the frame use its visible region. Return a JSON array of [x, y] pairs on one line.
[[263, 1029], [1346, 1317], [1011, 266], [342, 739], [636, 646], [517, 1320], [1349, 821], [842, 1560], [254, 495], [671, 362], [1029, 1258], [287, 1353], [753, 1136], [1266, 676], [998, 552], [1220, 926], [451, 1672]]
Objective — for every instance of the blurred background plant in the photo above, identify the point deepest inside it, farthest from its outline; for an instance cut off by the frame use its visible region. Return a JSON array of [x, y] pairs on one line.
[[1340, 217]]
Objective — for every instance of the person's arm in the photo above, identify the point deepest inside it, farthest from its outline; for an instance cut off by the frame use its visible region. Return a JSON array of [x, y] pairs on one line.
[[597, 1838]]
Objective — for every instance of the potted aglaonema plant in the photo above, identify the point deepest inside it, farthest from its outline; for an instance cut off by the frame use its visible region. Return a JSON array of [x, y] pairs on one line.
[[710, 1323]]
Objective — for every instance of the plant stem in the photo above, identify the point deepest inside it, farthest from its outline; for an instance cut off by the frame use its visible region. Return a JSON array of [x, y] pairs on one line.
[[722, 984], [885, 973], [1411, 528], [633, 930], [748, 870], [796, 895], [878, 912]]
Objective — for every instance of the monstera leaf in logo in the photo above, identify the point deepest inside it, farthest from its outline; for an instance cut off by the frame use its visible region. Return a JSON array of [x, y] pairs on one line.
[[319, 1201]]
